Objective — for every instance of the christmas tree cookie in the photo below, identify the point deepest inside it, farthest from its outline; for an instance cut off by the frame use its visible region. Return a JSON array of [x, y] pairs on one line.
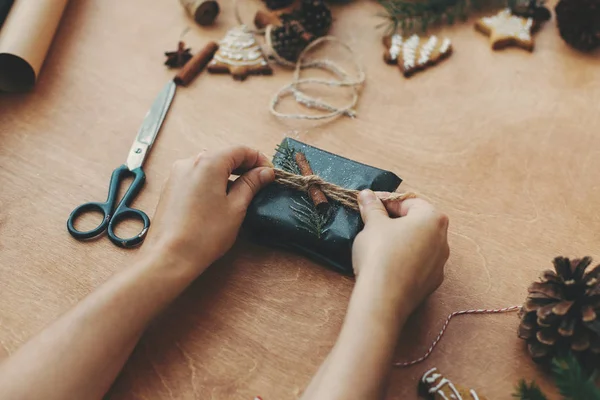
[[239, 55], [415, 53]]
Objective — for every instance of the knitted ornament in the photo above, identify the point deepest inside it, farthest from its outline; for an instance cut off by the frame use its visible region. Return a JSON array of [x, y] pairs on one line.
[[579, 23], [561, 312]]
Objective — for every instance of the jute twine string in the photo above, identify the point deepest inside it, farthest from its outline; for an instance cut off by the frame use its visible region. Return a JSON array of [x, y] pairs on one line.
[[346, 197], [343, 80]]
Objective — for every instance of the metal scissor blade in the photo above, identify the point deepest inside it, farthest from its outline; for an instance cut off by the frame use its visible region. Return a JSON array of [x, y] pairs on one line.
[[151, 126]]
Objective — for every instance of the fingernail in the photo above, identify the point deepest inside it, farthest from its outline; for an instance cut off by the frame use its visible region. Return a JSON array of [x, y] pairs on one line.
[[366, 196], [267, 175]]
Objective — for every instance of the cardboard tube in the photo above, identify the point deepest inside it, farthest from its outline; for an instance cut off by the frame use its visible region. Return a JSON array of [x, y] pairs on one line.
[[24, 41]]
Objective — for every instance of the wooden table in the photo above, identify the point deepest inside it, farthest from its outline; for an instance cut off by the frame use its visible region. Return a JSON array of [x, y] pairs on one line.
[[505, 142]]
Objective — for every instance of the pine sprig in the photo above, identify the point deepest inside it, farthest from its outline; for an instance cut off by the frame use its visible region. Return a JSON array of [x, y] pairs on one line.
[[310, 218], [572, 382], [530, 391], [408, 16], [286, 158]]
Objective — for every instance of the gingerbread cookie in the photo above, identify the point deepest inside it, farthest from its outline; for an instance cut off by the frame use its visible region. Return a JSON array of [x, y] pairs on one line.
[[239, 55], [506, 29], [415, 53], [434, 386]]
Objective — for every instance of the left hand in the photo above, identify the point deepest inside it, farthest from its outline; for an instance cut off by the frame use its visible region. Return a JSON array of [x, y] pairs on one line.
[[198, 218]]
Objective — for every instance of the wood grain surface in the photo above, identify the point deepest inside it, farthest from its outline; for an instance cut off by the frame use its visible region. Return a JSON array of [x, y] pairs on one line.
[[507, 143]]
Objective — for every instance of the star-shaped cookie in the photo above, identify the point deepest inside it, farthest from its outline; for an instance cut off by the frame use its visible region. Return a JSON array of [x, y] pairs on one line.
[[415, 53], [506, 29], [240, 55]]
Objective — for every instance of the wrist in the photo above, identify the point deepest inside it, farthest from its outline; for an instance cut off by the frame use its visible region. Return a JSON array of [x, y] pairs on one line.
[[170, 257], [387, 294]]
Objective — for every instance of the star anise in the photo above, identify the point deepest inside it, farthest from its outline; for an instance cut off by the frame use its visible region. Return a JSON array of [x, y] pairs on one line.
[[178, 58]]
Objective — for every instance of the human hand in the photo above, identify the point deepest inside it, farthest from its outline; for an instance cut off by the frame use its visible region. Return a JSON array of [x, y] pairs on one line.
[[405, 256], [198, 218]]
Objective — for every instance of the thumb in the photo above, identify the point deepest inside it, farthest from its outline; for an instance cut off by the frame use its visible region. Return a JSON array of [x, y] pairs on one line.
[[243, 190], [370, 206]]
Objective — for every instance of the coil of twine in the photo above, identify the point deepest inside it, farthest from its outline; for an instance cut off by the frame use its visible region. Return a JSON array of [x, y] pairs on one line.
[[342, 79], [346, 197]]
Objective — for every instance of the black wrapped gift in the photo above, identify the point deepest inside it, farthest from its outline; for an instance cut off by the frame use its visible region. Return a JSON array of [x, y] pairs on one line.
[[288, 218]]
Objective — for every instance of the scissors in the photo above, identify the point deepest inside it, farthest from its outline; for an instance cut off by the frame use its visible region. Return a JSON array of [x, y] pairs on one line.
[[133, 167]]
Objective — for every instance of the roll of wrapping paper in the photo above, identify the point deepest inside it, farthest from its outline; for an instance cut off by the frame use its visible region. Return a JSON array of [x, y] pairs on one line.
[[25, 38]]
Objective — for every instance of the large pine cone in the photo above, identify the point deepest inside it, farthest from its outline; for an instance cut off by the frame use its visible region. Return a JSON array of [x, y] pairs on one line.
[[315, 17], [561, 313], [579, 23], [288, 40]]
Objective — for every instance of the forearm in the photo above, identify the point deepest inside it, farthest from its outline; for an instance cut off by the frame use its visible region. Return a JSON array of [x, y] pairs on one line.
[[358, 365], [80, 354]]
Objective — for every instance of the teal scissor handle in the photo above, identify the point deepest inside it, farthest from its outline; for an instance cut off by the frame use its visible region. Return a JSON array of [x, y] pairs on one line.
[[114, 215]]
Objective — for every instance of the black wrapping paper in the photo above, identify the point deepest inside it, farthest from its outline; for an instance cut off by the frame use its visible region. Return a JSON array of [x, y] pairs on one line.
[[287, 218]]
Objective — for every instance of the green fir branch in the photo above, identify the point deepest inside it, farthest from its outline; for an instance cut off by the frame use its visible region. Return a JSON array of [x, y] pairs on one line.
[[287, 158], [530, 391], [409, 16], [572, 382], [310, 218]]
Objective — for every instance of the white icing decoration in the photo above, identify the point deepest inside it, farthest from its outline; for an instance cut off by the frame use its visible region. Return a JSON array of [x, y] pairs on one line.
[[433, 378], [395, 46], [445, 46], [427, 373], [506, 24], [475, 397], [426, 50], [239, 48], [409, 51], [439, 386], [458, 396], [414, 53]]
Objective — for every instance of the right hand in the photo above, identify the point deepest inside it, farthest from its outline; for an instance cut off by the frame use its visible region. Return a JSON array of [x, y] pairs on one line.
[[404, 256]]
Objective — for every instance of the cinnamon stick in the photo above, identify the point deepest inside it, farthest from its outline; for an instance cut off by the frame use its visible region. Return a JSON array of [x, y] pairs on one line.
[[317, 196], [196, 64]]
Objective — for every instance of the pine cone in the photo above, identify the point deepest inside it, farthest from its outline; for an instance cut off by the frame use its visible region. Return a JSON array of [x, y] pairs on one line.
[[288, 40], [277, 4], [532, 9], [560, 313], [315, 17], [579, 23]]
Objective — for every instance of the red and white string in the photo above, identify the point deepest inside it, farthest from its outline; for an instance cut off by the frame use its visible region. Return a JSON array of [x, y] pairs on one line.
[[445, 326]]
